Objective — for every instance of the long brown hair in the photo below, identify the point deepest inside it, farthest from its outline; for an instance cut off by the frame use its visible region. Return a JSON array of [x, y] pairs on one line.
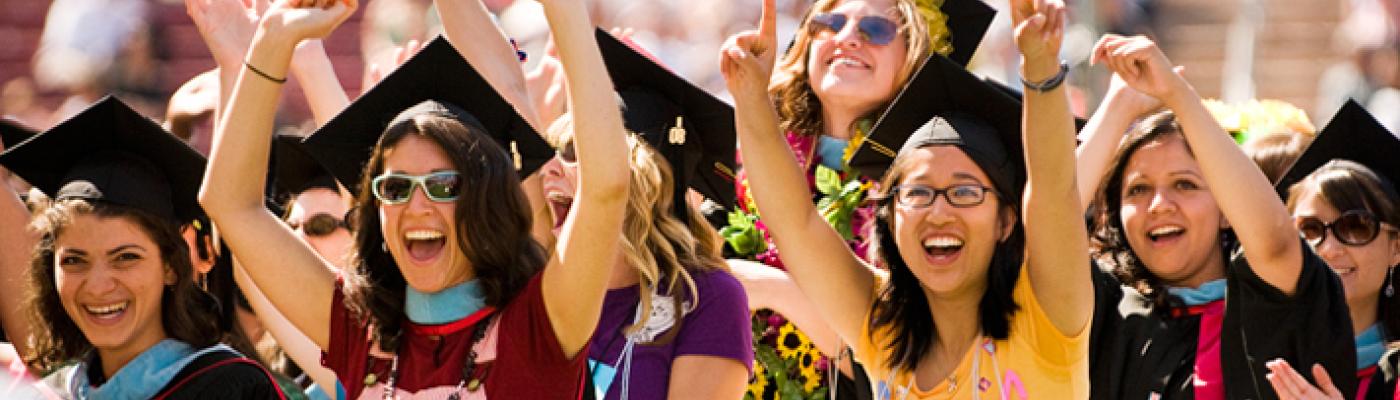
[[496, 240], [798, 107], [1347, 185], [188, 314]]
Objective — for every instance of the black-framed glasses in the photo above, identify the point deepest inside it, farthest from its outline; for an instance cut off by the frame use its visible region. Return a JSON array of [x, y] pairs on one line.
[[1353, 228], [920, 196], [440, 187], [319, 224], [873, 29]]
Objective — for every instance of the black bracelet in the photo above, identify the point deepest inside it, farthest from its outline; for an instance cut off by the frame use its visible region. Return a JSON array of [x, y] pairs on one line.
[[1048, 84], [263, 74]]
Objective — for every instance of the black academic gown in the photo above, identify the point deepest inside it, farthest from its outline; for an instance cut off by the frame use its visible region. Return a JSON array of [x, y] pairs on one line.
[[1383, 383], [221, 375], [1142, 353]]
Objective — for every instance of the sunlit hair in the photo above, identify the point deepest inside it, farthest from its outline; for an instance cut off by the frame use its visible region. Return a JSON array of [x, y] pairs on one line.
[[1274, 153], [1347, 185], [492, 224], [187, 313], [902, 307], [798, 107], [663, 249]]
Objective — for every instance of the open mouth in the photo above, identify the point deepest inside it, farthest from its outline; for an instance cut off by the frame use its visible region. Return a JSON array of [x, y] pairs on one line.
[[943, 247], [560, 204], [424, 244], [1165, 234], [107, 312], [846, 61], [1344, 271]]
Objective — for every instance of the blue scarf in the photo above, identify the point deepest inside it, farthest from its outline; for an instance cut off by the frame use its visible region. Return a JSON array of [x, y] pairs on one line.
[[144, 376], [832, 152], [1210, 291], [447, 305], [1370, 345]]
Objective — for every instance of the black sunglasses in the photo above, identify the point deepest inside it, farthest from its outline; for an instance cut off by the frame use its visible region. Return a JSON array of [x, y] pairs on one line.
[[319, 224], [873, 29], [1353, 228]]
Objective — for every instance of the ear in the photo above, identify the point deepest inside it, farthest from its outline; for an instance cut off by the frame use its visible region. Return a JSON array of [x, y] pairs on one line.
[[1008, 222], [1394, 248], [201, 266], [171, 278]]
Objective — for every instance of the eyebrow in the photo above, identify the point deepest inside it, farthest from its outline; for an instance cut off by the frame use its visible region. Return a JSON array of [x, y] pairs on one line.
[[124, 247]]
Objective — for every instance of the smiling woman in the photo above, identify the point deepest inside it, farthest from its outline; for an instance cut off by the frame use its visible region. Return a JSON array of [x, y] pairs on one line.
[[111, 279]]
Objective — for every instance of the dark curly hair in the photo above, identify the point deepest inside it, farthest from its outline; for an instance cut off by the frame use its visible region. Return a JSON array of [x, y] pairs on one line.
[[493, 225], [902, 305], [188, 313]]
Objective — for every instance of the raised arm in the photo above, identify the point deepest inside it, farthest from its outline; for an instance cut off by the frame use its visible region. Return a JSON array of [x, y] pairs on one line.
[[818, 258], [316, 76], [288, 271], [1057, 244], [470, 28], [771, 288], [298, 347], [1101, 135], [1245, 196], [16, 248], [576, 278]]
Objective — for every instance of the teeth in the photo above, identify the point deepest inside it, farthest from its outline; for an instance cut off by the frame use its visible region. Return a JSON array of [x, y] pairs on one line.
[[942, 242], [1166, 230], [1344, 271], [847, 61], [558, 197], [108, 309], [423, 235]]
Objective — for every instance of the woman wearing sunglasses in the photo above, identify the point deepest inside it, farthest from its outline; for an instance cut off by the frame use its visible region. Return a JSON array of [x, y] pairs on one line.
[[1214, 280], [450, 296], [1342, 194], [972, 305]]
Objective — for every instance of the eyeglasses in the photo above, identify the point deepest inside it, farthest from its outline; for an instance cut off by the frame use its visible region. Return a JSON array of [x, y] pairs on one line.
[[920, 196], [441, 187], [319, 224], [1353, 228], [873, 29]]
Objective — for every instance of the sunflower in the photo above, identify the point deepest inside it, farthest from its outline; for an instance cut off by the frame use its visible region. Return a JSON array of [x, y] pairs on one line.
[[759, 383], [792, 342]]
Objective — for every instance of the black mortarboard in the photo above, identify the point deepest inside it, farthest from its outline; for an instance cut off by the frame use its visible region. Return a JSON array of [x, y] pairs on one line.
[[1353, 134], [967, 22], [436, 79], [110, 153], [295, 169], [654, 99], [13, 132], [945, 104]]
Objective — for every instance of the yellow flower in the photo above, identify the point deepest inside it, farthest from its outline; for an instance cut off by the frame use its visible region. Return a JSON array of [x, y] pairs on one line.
[[807, 366], [939, 40], [759, 381], [792, 342]]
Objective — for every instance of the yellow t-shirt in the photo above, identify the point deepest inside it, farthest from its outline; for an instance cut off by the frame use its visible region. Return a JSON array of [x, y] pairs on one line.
[[1035, 362]]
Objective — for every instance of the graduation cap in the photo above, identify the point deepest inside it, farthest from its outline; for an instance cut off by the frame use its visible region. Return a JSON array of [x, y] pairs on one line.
[[436, 80], [110, 153], [1353, 134], [945, 104], [1010, 91], [967, 23], [295, 170], [692, 129], [12, 132]]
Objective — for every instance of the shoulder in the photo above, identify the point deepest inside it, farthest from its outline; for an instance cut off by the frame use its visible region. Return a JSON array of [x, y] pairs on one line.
[[222, 374]]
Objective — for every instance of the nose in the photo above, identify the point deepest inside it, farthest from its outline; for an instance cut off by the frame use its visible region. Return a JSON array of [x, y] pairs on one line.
[[99, 280], [1330, 249], [418, 199], [849, 36], [1161, 203], [939, 212]]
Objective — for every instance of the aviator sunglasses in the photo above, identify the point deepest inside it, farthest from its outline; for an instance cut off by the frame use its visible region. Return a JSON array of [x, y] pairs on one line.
[[873, 29], [440, 187], [1353, 228]]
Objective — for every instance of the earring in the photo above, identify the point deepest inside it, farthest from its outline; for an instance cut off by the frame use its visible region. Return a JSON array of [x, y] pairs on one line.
[[384, 246], [1389, 283]]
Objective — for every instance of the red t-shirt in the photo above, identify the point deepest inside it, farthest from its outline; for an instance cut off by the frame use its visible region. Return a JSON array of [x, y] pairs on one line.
[[519, 356]]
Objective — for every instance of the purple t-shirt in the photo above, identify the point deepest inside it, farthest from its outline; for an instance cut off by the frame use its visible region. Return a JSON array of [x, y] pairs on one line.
[[717, 326]]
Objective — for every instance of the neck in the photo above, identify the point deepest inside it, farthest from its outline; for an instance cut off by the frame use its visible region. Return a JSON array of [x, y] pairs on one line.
[[622, 275], [957, 319], [114, 358], [1363, 314], [1214, 269], [837, 121]]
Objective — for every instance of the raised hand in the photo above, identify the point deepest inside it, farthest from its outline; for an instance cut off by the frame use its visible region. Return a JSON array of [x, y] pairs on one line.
[[1290, 385], [374, 73], [746, 59], [306, 19], [1039, 27], [1139, 63], [226, 26]]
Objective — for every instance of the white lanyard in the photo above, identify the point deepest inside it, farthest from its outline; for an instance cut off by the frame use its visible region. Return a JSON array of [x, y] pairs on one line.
[[983, 343]]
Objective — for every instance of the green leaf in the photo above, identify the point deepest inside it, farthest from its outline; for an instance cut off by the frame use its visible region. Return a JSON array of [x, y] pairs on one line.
[[739, 219], [828, 181], [819, 394]]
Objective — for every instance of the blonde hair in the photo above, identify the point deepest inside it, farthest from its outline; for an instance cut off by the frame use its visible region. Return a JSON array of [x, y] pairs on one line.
[[661, 247], [798, 107]]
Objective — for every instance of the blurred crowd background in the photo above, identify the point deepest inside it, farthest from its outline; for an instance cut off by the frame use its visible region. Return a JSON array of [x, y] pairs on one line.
[[57, 56]]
